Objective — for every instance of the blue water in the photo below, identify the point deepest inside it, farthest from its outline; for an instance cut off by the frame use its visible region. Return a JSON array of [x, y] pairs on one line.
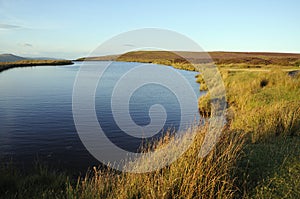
[[36, 120]]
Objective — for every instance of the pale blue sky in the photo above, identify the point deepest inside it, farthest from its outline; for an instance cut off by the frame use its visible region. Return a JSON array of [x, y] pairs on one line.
[[71, 29]]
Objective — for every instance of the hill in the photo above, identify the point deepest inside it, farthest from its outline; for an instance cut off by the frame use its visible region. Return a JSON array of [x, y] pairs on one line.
[[10, 58], [257, 59]]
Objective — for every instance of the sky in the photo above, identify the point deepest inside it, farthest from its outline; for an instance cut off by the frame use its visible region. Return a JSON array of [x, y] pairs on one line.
[[72, 29]]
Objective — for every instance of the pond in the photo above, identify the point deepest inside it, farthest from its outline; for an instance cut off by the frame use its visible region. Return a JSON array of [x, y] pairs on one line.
[[36, 120]]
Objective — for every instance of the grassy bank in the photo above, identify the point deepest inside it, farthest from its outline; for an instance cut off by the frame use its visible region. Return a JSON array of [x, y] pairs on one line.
[[258, 155], [26, 63], [265, 106], [188, 177]]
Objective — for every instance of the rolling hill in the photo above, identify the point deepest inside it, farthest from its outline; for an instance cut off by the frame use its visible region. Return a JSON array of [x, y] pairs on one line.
[[251, 58], [10, 58]]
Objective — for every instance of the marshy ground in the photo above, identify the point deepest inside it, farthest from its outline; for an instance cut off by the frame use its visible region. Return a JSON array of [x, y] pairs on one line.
[[257, 156]]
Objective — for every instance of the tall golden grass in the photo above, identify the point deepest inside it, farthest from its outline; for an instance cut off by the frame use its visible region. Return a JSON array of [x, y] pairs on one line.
[[264, 103], [188, 177]]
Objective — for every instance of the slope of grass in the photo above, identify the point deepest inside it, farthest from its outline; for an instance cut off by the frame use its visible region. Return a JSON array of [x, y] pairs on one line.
[[266, 107], [264, 104]]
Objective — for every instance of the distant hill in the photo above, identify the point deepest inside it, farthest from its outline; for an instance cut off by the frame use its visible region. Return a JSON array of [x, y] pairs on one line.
[[251, 58], [10, 58], [100, 58]]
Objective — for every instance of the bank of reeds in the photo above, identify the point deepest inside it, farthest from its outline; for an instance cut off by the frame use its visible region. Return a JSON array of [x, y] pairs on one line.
[[26, 63]]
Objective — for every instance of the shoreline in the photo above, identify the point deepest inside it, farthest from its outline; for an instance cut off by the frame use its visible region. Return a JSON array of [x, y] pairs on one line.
[[31, 63]]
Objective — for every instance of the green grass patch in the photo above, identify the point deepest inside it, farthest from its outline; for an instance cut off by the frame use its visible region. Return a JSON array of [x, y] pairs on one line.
[[39, 182]]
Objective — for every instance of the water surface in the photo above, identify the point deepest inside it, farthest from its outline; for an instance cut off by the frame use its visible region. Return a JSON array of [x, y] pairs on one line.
[[36, 119]]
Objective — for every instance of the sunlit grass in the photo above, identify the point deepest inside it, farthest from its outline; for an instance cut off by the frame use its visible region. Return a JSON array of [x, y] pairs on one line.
[[266, 107], [188, 177]]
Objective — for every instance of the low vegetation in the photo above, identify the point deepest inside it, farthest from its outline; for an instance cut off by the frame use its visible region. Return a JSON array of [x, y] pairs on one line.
[[181, 59], [26, 63], [257, 156], [265, 106], [40, 182], [188, 177]]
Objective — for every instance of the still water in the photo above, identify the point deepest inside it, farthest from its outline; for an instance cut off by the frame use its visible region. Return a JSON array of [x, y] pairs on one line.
[[36, 121]]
